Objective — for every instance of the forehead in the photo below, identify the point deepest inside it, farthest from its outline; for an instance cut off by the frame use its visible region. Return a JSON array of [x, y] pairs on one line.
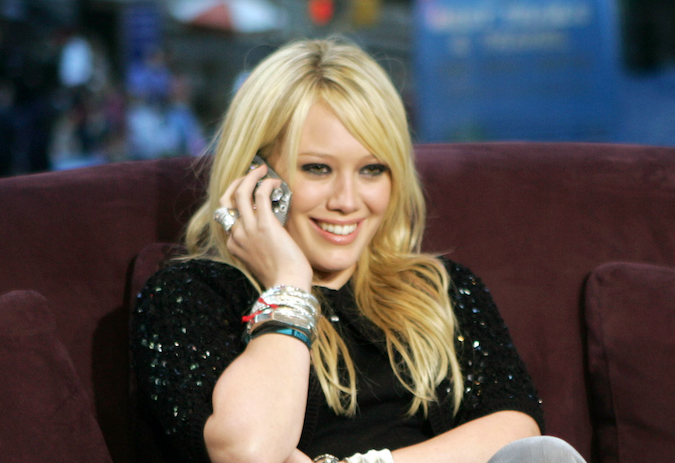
[[324, 133]]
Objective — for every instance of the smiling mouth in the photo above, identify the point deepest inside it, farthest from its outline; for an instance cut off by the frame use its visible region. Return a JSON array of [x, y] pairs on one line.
[[338, 229]]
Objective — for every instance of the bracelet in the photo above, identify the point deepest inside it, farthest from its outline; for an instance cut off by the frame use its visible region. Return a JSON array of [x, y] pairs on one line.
[[297, 334], [326, 458], [372, 456], [287, 306], [285, 316], [290, 295], [286, 300]]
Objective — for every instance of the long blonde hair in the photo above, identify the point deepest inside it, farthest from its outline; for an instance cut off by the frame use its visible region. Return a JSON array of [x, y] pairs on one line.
[[400, 290]]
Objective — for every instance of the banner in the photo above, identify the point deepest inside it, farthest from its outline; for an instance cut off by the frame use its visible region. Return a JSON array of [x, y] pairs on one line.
[[516, 69]]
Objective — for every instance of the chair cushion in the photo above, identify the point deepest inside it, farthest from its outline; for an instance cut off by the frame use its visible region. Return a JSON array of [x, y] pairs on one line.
[[630, 315], [46, 414]]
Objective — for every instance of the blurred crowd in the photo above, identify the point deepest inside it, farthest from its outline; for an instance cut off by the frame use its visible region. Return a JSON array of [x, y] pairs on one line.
[[63, 105]]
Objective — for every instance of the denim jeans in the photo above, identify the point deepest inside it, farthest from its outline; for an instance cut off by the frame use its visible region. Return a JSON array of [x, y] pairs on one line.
[[540, 449]]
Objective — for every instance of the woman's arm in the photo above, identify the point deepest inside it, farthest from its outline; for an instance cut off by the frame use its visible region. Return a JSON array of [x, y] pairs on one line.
[[259, 401], [496, 384], [472, 442], [185, 330]]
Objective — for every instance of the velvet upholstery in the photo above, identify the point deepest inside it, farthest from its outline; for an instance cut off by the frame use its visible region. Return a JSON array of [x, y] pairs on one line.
[[532, 219], [46, 414], [72, 236], [631, 320]]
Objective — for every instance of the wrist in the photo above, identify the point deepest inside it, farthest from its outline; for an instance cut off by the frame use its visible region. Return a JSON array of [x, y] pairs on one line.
[[284, 310], [302, 283], [326, 458], [372, 456]]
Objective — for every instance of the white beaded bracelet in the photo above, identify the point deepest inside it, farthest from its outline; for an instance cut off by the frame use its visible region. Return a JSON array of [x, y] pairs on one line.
[[372, 456]]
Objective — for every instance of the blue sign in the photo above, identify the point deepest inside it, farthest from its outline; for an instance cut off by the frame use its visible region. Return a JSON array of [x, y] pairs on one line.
[[516, 69]]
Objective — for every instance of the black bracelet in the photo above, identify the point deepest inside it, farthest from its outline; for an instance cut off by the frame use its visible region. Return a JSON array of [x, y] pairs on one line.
[[282, 329]]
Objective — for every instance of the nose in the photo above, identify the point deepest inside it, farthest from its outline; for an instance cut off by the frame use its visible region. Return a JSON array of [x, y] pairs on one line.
[[344, 195]]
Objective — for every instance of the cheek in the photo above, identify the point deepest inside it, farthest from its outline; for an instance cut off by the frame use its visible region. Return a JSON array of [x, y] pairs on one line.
[[305, 198], [378, 199]]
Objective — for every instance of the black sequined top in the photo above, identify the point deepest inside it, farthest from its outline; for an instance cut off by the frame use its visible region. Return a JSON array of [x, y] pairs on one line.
[[187, 328]]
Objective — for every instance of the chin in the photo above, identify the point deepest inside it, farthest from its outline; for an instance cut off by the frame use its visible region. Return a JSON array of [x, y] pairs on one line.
[[333, 266]]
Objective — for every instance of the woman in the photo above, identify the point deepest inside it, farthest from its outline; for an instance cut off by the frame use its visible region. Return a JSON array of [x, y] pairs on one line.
[[397, 355]]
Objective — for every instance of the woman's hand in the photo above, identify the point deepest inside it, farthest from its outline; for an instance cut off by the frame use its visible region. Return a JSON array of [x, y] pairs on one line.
[[258, 239]]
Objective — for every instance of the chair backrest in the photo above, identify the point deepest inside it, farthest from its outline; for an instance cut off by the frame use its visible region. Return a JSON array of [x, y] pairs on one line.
[[533, 220], [72, 236]]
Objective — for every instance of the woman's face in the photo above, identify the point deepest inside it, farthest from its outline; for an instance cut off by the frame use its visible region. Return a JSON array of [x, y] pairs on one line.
[[340, 195]]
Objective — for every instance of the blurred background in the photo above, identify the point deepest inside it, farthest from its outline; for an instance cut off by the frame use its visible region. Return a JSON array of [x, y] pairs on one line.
[[85, 82]]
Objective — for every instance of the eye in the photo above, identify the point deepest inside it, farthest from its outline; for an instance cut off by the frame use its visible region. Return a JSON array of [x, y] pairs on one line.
[[374, 170], [316, 169]]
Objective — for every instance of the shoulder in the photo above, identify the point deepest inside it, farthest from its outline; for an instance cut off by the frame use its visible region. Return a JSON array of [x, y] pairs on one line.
[[463, 282], [197, 284], [203, 269], [472, 301], [189, 274], [190, 303]]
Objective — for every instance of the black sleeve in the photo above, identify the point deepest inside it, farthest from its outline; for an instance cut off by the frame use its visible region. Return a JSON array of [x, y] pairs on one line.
[[495, 377], [185, 330]]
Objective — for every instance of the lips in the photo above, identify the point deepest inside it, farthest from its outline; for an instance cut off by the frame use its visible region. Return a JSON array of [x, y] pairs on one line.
[[336, 229]]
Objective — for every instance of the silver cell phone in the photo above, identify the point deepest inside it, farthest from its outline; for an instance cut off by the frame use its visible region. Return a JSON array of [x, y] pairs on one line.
[[281, 196]]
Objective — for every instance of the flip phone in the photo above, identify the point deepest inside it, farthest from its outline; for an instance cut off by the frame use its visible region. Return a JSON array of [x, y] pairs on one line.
[[281, 196]]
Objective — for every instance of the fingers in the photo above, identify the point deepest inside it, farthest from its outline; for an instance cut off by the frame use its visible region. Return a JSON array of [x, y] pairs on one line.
[[229, 198], [250, 196], [262, 198], [226, 200], [258, 239]]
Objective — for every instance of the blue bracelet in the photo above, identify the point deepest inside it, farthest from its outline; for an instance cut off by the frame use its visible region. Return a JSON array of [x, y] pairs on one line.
[[297, 334]]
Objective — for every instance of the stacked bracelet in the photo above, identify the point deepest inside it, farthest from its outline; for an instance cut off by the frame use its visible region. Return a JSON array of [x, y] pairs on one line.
[[283, 310], [326, 458], [371, 456]]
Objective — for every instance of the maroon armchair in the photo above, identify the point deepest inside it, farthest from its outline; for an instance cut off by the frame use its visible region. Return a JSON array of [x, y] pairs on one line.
[[576, 242]]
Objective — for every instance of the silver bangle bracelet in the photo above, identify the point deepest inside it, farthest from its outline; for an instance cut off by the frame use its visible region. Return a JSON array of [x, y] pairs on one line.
[[297, 295], [326, 458], [278, 317], [290, 301], [289, 297], [286, 306], [295, 305], [292, 320]]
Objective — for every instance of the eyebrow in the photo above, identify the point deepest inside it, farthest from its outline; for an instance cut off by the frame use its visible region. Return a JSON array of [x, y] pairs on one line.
[[330, 155]]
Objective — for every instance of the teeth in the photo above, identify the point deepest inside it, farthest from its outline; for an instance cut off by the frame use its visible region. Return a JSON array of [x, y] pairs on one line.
[[338, 229]]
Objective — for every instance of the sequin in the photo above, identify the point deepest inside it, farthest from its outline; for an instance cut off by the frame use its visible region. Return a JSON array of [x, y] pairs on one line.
[[186, 330]]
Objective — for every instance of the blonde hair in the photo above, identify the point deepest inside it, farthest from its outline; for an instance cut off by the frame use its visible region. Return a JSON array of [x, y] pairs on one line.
[[400, 290]]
